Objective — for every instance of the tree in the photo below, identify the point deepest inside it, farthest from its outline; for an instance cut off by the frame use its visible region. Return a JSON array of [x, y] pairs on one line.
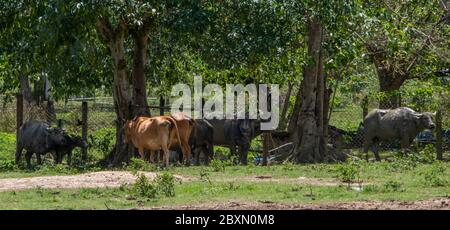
[[404, 40]]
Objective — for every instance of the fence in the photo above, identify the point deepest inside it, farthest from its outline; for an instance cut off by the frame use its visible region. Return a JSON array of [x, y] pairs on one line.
[[85, 116], [346, 131]]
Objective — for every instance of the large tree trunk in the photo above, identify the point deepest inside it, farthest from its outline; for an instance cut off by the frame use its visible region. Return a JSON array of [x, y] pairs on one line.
[[284, 111], [140, 106], [292, 126], [390, 86], [310, 142], [122, 92]]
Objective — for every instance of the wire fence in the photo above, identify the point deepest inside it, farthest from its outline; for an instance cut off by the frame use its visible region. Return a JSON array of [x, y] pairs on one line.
[[345, 130]]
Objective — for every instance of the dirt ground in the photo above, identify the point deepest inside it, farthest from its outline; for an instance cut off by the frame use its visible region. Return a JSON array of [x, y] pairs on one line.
[[87, 180], [117, 178], [432, 204]]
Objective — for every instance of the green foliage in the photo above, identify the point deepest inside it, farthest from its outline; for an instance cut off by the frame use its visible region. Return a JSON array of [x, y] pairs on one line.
[[349, 172], [393, 186], [435, 175], [7, 146], [102, 140], [165, 183], [288, 166], [217, 165], [7, 165], [144, 188], [138, 164]]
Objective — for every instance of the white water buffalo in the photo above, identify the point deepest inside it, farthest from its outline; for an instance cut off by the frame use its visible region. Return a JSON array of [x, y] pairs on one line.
[[401, 124]]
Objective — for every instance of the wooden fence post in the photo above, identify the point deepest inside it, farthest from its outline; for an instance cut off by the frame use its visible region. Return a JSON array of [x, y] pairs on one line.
[[365, 106], [19, 121], [84, 128], [439, 149], [161, 105]]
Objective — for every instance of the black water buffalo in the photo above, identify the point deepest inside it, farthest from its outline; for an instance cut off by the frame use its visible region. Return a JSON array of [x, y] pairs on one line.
[[37, 137], [201, 140], [237, 134], [401, 124], [71, 142]]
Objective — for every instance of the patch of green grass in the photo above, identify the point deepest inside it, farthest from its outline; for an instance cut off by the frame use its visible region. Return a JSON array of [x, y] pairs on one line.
[[7, 146], [202, 192]]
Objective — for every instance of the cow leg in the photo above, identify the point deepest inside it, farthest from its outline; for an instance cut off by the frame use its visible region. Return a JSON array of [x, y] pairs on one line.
[[375, 151], [186, 154], [38, 159], [151, 156], [210, 152], [232, 149], [60, 157], [166, 152], [161, 156], [141, 152], [367, 144], [405, 145], [196, 154], [18, 153], [28, 155], [206, 154], [69, 158], [243, 151]]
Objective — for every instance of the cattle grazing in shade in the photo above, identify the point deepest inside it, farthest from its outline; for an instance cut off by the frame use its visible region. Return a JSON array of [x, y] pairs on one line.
[[153, 134], [39, 138], [201, 140], [396, 124], [71, 143], [184, 124], [237, 134]]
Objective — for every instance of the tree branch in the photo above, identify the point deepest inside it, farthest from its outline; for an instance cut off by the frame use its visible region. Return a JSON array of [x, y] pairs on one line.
[[105, 28], [425, 44]]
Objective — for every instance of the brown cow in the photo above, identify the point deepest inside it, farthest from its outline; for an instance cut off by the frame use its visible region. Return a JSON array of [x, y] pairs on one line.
[[185, 125], [152, 133]]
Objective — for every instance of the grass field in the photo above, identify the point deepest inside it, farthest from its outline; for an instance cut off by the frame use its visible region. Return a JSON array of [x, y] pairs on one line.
[[403, 179], [400, 180]]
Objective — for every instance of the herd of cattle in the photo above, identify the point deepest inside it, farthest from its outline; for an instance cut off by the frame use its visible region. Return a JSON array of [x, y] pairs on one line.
[[179, 132]]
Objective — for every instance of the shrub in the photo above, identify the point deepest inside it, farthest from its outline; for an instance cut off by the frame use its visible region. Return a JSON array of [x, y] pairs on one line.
[[7, 146], [102, 140], [393, 186], [349, 172], [141, 165], [7, 165], [217, 165], [165, 183], [435, 175], [144, 188], [288, 166]]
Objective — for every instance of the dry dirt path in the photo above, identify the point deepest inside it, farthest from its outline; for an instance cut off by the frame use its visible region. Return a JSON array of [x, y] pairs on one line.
[[433, 204], [86, 180], [117, 178]]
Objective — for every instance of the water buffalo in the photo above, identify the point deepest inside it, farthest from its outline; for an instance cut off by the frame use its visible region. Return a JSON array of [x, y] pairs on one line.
[[401, 124], [201, 140], [37, 137], [71, 143], [237, 134]]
